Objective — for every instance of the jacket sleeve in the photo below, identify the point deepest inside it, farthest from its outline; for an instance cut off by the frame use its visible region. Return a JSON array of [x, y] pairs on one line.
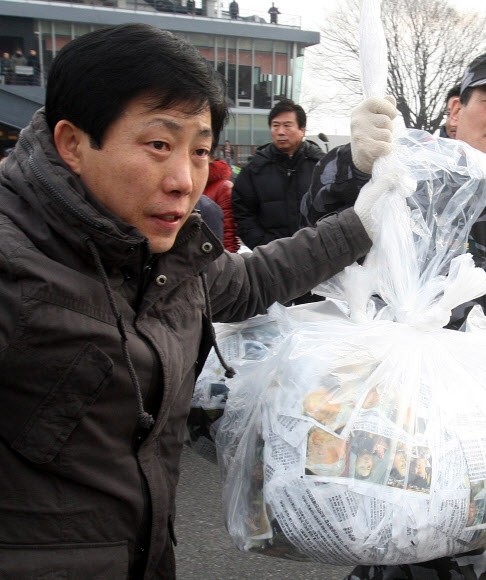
[[243, 285], [335, 185], [245, 211]]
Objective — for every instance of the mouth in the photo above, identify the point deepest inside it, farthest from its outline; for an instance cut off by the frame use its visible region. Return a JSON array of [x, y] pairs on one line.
[[170, 216], [168, 220]]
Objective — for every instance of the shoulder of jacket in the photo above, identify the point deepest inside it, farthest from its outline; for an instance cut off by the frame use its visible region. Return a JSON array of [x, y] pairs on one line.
[[340, 155], [313, 151], [263, 156]]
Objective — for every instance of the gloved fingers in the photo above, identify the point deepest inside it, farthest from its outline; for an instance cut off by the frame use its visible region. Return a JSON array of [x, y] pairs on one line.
[[392, 100], [367, 121], [374, 134], [377, 143], [371, 131], [377, 105], [374, 189], [382, 122], [382, 148]]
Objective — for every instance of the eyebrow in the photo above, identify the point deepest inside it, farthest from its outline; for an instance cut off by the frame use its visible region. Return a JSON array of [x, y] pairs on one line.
[[177, 128]]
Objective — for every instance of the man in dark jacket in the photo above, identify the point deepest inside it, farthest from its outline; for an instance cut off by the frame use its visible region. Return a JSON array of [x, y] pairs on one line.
[[108, 281], [269, 189]]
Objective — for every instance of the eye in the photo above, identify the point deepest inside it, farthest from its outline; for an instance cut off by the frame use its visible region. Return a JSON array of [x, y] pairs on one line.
[[159, 145], [202, 152]]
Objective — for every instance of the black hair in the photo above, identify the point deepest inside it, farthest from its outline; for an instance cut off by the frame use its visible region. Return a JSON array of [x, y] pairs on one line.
[[454, 92], [95, 76], [286, 106]]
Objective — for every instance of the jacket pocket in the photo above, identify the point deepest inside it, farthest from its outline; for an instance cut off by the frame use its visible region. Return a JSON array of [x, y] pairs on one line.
[[64, 562], [55, 418]]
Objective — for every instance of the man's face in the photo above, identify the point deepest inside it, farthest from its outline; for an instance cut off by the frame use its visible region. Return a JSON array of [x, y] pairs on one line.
[[151, 170], [470, 119], [285, 132], [450, 127]]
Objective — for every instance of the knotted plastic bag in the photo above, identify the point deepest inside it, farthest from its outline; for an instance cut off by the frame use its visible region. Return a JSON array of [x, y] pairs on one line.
[[364, 440]]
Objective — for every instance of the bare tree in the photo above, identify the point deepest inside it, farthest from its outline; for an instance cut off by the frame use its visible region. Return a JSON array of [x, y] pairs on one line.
[[429, 46]]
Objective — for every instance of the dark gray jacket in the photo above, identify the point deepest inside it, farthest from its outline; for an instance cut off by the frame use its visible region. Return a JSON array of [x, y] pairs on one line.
[[95, 331]]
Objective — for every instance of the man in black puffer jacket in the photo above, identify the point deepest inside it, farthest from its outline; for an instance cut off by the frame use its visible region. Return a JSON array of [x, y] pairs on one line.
[[268, 191]]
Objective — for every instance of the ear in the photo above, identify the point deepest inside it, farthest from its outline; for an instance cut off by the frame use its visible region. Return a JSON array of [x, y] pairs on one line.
[[67, 138], [454, 111]]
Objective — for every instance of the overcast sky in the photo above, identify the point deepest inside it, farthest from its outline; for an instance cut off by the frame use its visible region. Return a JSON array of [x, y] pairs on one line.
[[313, 14]]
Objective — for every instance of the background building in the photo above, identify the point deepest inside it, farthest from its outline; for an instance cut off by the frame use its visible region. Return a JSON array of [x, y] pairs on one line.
[[261, 62]]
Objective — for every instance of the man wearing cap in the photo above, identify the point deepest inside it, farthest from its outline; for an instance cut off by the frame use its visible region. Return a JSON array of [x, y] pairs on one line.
[[469, 113]]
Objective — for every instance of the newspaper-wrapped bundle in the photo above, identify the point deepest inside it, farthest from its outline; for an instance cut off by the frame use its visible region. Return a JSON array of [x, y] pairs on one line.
[[363, 440]]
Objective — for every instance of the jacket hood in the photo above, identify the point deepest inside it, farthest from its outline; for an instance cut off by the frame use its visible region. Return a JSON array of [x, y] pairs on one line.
[[218, 170], [46, 184]]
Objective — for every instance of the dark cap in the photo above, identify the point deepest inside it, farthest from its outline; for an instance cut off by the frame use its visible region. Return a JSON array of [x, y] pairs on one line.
[[475, 74]]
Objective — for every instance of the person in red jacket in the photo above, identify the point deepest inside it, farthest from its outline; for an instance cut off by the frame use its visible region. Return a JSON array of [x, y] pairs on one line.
[[218, 188]]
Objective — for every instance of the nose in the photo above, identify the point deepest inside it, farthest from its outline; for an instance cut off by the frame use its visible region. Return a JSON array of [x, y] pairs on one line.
[[178, 179]]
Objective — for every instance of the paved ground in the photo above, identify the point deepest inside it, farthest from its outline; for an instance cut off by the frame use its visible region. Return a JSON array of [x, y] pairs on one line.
[[205, 551]]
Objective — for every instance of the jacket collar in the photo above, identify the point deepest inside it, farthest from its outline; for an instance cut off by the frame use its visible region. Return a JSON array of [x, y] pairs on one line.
[[268, 153]]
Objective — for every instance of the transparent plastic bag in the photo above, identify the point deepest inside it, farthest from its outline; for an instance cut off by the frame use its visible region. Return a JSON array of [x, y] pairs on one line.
[[245, 346], [365, 441], [242, 345]]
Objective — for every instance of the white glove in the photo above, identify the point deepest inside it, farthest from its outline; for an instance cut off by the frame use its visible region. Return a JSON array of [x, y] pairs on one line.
[[371, 131]]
